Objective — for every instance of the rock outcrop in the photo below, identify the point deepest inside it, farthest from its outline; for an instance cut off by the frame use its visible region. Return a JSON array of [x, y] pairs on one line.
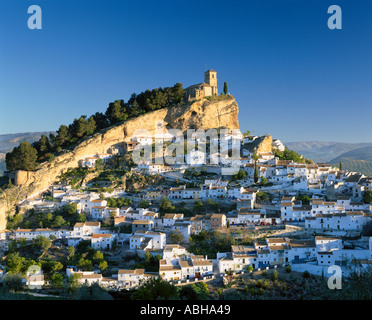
[[262, 144], [203, 114]]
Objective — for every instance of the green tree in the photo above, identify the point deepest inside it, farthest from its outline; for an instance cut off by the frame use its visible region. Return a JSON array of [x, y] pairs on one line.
[[255, 175], [42, 243], [23, 157], [85, 264], [81, 217], [288, 154], [367, 229], [155, 288], [58, 222], [306, 274], [249, 268], [43, 146], [71, 251], [240, 175], [340, 166], [102, 265], [368, 197], [14, 263], [51, 267], [144, 204], [70, 208], [101, 120], [73, 282], [97, 256], [303, 198], [90, 126], [99, 165], [63, 137], [165, 205], [212, 205], [195, 291], [176, 237], [116, 111], [225, 88], [56, 280], [275, 275], [80, 128], [15, 221], [247, 133], [198, 206], [13, 282], [90, 292]]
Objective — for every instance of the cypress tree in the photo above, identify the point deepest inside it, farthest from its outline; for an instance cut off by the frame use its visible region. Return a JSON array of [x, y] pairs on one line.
[[255, 172], [225, 88]]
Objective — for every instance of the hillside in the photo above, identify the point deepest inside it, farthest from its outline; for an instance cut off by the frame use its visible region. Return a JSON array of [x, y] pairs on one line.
[[321, 151], [359, 160], [202, 114]]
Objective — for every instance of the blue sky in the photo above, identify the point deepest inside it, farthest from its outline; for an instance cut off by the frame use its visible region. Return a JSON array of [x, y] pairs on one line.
[[292, 76]]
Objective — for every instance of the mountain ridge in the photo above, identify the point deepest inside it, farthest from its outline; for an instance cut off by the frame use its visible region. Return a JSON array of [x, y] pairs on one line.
[[324, 151]]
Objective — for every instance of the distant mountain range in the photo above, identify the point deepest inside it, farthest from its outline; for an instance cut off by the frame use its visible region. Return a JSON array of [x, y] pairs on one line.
[[9, 141], [353, 156]]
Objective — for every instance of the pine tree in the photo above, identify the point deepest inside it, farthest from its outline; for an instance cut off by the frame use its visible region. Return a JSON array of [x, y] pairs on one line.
[[340, 166], [63, 136], [23, 157], [116, 111]]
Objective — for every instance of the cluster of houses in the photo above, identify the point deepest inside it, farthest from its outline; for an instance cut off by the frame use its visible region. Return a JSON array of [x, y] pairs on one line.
[[177, 265], [100, 238], [316, 253], [91, 160], [341, 214], [232, 140], [336, 203]]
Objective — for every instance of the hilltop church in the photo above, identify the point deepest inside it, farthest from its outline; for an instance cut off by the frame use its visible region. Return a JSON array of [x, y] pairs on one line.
[[205, 89]]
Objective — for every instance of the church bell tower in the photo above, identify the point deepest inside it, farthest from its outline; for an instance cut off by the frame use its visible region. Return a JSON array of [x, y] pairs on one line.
[[210, 77]]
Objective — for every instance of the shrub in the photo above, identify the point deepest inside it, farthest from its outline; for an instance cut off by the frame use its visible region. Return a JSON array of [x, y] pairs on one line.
[[249, 268], [275, 275], [306, 274], [262, 284]]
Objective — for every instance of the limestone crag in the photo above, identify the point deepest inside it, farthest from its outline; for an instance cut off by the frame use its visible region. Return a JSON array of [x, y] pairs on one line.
[[201, 114], [262, 144]]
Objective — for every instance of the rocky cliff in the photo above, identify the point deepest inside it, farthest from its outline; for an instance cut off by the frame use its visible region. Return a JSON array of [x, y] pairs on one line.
[[204, 114], [262, 144]]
